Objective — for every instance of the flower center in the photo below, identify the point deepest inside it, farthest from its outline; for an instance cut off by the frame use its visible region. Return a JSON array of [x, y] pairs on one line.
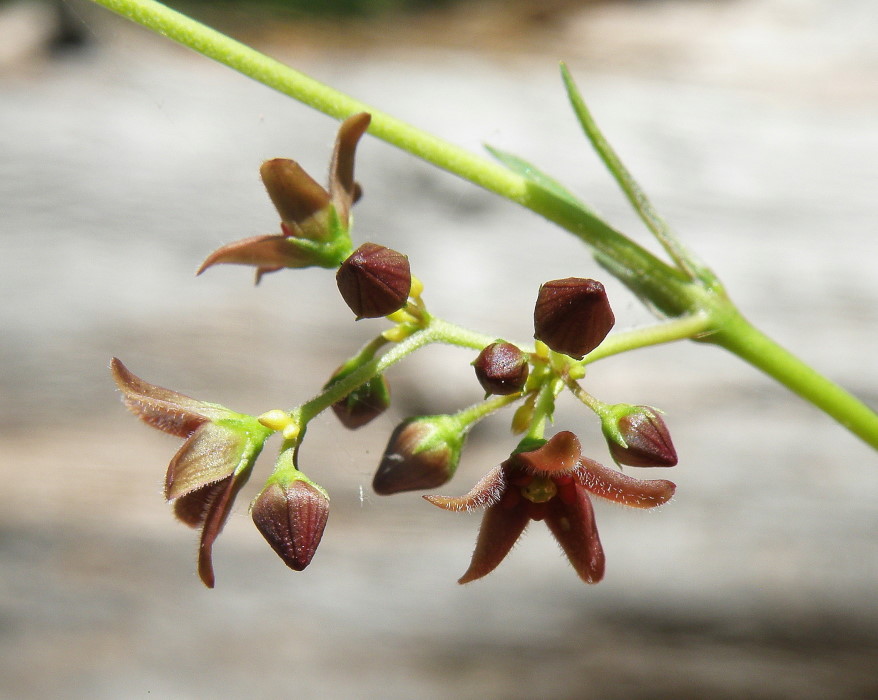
[[539, 490]]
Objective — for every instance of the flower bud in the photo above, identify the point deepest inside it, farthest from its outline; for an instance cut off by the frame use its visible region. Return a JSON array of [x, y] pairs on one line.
[[363, 404], [291, 513], [501, 368], [646, 437], [572, 316], [374, 281], [422, 453]]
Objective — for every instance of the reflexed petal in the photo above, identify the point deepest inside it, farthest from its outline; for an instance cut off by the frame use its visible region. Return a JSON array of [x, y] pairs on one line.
[[621, 488], [501, 528], [574, 527], [213, 452], [162, 408], [271, 252], [560, 454], [485, 493], [191, 509], [294, 193], [342, 188], [217, 513]]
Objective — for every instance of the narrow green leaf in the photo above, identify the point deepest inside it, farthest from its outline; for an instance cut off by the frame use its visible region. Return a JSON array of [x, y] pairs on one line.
[[685, 259], [522, 167]]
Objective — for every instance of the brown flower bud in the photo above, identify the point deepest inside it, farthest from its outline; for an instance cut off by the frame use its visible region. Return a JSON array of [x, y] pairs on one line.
[[647, 438], [573, 315], [422, 453], [374, 281], [501, 368], [363, 404], [291, 517]]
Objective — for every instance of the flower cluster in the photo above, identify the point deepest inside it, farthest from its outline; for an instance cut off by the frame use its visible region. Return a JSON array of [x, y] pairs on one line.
[[543, 479]]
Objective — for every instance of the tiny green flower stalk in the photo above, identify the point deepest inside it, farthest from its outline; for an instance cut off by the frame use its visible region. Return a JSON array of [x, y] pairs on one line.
[[213, 464], [291, 513]]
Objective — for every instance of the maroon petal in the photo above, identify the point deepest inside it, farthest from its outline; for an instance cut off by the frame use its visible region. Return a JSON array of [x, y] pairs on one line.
[[268, 253], [500, 530], [212, 453], [560, 454], [217, 513], [191, 509], [620, 488], [574, 527], [294, 193], [162, 408], [485, 493], [342, 188]]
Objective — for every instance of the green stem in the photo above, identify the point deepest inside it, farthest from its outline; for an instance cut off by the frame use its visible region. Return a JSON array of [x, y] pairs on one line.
[[480, 171], [753, 346], [437, 331], [452, 334], [337, 391], [472, 414], [668, 332], [665, 286], [544, 408]]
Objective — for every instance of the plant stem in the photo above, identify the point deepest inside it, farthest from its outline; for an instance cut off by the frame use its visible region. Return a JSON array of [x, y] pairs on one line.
[[342, 388], [753, 346], [668, 332], [478, 170], [437, 331], [665, 286]]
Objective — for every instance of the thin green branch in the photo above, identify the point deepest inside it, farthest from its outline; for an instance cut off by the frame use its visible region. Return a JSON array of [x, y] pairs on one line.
[[478, 170], [678, 329], [670, 289], [753, 346]]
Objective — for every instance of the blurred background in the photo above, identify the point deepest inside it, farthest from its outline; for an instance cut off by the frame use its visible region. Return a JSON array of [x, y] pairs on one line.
[[125, 160]]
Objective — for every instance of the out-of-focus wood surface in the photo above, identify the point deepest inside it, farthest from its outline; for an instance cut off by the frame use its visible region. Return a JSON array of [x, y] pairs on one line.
[[753, 126]]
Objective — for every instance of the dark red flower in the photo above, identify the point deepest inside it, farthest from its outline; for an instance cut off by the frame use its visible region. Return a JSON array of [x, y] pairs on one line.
[[314, 221], [550, 483], [213, 464]]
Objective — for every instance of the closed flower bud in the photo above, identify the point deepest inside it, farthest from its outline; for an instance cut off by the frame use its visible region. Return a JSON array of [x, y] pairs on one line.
[[374, 281], [363, 404], [291, 513], [422, 453], [647, 440], [573, 315], [501, 368]]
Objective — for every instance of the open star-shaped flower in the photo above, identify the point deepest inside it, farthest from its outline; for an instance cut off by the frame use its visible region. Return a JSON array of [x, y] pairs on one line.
[[550, 483]]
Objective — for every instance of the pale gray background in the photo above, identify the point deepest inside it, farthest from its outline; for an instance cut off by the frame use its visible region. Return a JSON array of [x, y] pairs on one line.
[[751, 123]]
